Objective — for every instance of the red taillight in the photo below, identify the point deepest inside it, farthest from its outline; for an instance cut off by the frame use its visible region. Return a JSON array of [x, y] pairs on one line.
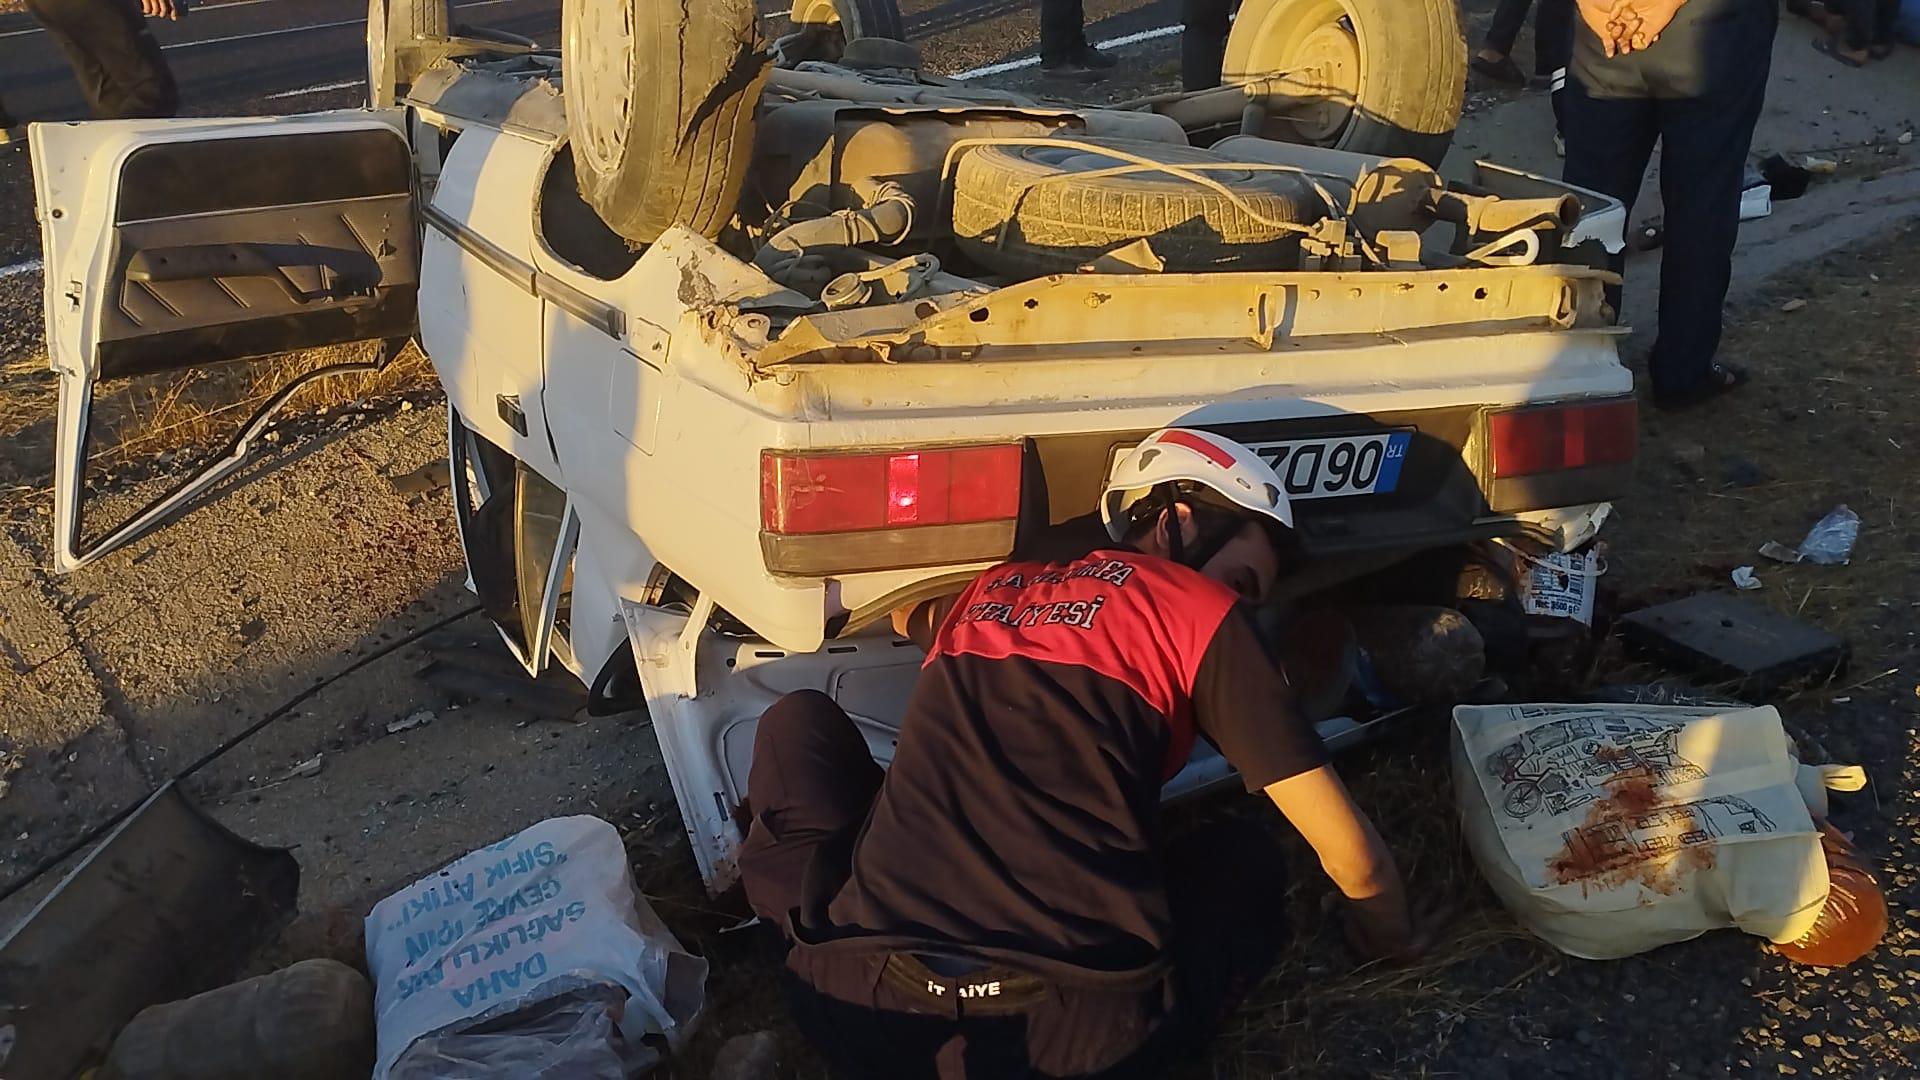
[[807, 494], [1553, 438]]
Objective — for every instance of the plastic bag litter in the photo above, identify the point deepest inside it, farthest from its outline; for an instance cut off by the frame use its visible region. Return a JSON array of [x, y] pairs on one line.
[[1830, 541], [1612, 829], [532, 930], [573, 1036]]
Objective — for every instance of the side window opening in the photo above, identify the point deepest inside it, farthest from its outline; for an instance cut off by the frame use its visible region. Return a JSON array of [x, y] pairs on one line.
[[574, 231]]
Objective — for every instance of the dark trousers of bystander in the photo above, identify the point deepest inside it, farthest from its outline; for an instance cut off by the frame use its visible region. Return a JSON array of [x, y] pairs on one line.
[[1063, 29], [121, 70], [1552, 32], [810, 789], [1704, 141], [1203, 44], [1870, 23]]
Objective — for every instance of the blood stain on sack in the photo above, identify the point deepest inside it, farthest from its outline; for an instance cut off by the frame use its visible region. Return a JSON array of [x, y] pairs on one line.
[[1629, 837]]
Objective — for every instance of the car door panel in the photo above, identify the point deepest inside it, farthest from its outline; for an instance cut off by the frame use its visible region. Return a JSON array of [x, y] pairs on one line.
[[173, 245]]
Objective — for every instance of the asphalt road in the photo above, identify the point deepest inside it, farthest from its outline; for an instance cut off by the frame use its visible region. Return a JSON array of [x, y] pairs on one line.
[[247, 56]]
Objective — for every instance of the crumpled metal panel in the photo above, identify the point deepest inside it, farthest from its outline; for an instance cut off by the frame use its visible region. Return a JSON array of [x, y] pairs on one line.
[[519, 95], [168, 905]]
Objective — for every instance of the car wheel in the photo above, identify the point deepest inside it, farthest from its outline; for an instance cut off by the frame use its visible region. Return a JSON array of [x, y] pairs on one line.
[[661, 100], [392, 24], [855, 18], [1381, 77], [1028, 210]]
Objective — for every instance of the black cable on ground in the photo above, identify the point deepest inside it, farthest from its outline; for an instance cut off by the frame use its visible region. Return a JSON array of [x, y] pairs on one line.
[[246, 733]]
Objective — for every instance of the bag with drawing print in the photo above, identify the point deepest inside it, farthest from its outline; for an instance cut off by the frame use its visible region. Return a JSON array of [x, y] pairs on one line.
[[529, 958], [1612, 829]]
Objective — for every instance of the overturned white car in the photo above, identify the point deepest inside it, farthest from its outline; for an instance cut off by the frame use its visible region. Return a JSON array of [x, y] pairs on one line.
[[747, 345]]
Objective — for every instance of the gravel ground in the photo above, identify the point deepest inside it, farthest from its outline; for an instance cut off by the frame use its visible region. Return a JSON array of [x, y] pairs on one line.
[[314, 560]]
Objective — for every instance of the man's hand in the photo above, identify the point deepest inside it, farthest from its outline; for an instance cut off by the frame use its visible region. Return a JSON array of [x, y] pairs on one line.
[[1379, 929], [1354, 857], [163, 9], [1625, 25], [1650, 21]]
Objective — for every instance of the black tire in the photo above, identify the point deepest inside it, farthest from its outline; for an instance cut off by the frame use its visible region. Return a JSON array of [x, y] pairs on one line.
[[856, 18], [1005, 219], [391, 24], [1401, 63], [661, 99]]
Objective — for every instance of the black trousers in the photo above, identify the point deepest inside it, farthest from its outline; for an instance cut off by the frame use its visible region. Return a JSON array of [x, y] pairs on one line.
[[1870, 22], [1063, 29], [1552, 31], [121, 70], [1203, 44], [810, 790], [1704, 143]]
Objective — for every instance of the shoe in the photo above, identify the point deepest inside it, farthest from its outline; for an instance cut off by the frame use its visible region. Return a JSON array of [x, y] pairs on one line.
[[1720, 380], [1087, 65], [1559, 145], [1097, 60], [1503, 70], [1076, 69]]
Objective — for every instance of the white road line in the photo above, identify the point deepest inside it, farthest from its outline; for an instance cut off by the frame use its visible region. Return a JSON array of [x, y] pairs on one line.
[[250, 3], [315, 89], [1029, 61], [262, 34], [29, 267]]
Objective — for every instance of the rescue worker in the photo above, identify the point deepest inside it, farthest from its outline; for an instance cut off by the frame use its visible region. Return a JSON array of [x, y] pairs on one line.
[[1690, 74], [1000, 903], [120, 68]]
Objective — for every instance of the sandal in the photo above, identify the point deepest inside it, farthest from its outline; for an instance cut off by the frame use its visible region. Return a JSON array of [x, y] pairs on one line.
[[1833, 48], [1503, 70], [1721, 379]]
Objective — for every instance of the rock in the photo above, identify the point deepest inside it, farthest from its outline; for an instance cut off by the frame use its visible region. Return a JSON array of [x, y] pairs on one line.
[[1740, 472], [411, 721], [309, 767], [433, 476], [1794, 304], [1905, 138], [1690, 456], [747, 1057]]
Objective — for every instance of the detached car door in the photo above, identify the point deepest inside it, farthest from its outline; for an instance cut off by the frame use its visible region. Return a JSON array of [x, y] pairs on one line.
[[179, 244]]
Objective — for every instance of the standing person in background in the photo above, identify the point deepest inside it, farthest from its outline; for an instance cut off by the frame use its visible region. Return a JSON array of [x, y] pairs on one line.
[[1862, 32], [120, 68], [1691, 75], [1203, 44], [1064, 49], [1552, 52], [1552, 37]]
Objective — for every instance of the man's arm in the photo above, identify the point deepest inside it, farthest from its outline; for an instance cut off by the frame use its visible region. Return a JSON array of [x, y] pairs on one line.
[[1244, 703], [1319, 806]]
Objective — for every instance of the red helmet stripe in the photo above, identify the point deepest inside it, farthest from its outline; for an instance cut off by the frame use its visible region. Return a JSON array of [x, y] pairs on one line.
[[1194, 442]]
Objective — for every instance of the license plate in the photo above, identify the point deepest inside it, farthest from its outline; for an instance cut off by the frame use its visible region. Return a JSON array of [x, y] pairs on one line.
[[1340, 466]]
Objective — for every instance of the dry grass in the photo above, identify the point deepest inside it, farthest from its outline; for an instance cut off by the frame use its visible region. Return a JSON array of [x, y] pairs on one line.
[[1833, 417], [160, 417]]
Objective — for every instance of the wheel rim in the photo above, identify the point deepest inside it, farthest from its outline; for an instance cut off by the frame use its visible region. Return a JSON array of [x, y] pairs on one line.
[[814, 13], [599, 110], [379, 68], [1315, 45]]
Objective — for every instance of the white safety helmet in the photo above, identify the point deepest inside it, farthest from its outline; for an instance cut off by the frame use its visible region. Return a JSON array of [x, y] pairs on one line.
[[1174, 455]]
